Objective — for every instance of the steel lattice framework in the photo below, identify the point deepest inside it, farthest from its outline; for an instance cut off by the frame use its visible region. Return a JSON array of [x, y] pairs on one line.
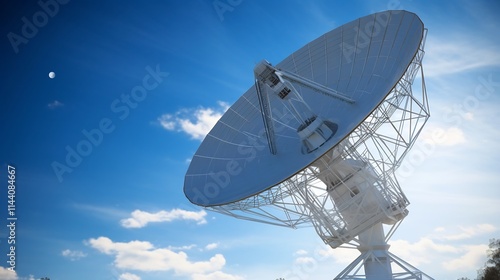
[[338, 117], [343, 204], [381, 141]]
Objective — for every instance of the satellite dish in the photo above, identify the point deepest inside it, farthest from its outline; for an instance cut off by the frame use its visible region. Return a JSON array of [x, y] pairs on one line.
[[317, 140]]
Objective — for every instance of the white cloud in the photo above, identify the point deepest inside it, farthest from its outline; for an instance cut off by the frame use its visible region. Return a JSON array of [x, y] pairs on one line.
[[305, 260], [439, 136], [453, 136], [439, 229], [340, 255], [143, 256], [446, 55], [195, 122], [168, 122], [468, 232], [425, 251], [472, 257], [179, 248], [211, 246], [129, 276], [54, 104], [300, 253], [140, 218], [441, 247], [469, 116], [73, 255], [6, 274], [421, 251], [101, 212]]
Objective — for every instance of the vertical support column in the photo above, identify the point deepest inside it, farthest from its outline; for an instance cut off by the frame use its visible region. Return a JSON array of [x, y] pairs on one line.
[[378, 263]]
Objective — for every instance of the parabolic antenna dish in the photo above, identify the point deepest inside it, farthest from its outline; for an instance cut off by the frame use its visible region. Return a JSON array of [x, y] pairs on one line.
[[318, 138], [303, 107]]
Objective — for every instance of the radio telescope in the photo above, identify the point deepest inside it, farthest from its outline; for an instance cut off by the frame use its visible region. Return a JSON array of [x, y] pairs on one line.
[[318, 138]]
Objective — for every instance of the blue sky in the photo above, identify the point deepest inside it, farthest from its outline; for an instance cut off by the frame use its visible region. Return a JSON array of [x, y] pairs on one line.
[[101, 150]]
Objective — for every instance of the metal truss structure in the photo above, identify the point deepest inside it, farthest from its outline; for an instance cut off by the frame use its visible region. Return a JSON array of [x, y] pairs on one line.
[[401, 270], [350, 192]]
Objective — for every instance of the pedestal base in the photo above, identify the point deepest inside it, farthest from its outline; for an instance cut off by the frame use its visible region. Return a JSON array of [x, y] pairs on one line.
[[400, 269]]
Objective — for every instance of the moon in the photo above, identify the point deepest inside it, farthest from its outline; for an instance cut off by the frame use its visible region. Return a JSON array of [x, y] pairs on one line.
[[52, 75]]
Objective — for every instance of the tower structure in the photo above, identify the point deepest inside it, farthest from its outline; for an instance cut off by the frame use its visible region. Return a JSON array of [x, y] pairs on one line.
[[317, 140]]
